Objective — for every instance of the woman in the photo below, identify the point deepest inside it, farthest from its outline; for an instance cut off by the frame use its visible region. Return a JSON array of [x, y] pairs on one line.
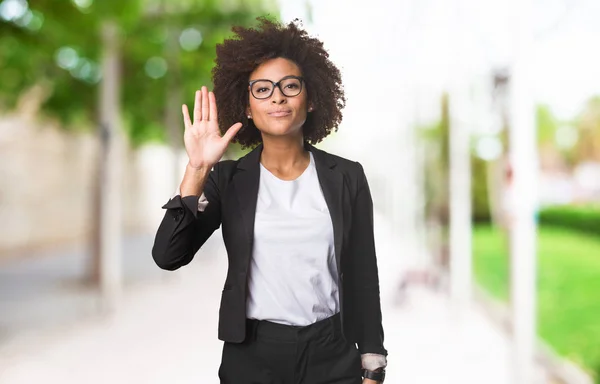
[[302, 287]]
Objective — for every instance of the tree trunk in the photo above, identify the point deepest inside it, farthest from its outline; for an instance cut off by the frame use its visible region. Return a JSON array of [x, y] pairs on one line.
[[105, 268], [173, 117]]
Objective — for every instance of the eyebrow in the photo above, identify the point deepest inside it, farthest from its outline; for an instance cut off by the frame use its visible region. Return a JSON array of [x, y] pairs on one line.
[[283, 78]]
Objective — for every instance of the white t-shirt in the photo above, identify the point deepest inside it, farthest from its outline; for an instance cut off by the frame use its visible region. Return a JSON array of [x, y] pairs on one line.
[[293, 274]]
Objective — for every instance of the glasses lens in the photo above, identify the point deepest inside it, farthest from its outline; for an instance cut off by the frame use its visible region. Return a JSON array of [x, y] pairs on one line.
[[262, 89], [291, 87]]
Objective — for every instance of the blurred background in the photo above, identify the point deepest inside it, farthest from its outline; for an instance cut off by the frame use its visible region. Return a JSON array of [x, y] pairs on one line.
[[478, 124]]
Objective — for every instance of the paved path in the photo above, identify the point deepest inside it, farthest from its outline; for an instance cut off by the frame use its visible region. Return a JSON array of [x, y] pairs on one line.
[[165, 331]]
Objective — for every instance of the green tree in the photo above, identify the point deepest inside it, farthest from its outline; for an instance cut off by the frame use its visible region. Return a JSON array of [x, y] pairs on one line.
[[547, 125], [57, 44], [78, 52], [588, 128]]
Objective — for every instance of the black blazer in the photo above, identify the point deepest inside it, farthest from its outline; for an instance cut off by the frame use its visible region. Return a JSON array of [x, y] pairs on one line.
[[232, 191]]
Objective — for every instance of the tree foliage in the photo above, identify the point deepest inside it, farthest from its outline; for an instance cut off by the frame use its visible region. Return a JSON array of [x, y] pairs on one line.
[[588, 127], [56, 44]]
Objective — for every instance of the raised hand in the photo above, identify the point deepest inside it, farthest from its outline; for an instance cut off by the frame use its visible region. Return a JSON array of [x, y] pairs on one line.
[[203, 142]]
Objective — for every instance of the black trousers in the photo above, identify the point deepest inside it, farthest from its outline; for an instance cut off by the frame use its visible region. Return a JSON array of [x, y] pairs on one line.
[[282, 354]]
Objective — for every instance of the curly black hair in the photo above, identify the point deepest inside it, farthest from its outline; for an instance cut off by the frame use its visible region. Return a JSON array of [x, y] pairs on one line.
[[240, 55]]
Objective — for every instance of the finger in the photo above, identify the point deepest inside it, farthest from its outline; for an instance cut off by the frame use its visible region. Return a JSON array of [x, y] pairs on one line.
[[205, 111], [212, 104], [186, 116], [197, 110], [232, 131]]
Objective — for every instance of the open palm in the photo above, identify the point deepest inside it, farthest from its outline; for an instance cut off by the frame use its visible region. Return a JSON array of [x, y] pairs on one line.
[[203, 142]]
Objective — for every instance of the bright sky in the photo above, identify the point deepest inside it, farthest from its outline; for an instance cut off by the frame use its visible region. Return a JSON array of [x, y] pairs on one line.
[[566, 34], [567, 61]]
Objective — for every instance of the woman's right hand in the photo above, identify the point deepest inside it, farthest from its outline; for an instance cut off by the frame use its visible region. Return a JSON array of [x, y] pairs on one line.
[[203, 142]]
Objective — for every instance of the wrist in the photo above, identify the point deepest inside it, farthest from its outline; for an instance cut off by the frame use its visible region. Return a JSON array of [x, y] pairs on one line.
[[194, 180], [200, 168], [377, 376]]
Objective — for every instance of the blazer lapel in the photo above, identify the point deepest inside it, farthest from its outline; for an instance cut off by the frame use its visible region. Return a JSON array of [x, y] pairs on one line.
[[332, 183], [246, 182]]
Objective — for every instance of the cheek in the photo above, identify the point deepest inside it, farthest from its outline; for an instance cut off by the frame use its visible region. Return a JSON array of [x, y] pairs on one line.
[[257, 107], [299, 103]]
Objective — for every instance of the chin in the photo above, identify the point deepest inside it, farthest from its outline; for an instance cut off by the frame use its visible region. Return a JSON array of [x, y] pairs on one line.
[[280, 130]]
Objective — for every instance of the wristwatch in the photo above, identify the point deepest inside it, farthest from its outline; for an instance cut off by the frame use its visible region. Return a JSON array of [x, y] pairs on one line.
[[378, 375]]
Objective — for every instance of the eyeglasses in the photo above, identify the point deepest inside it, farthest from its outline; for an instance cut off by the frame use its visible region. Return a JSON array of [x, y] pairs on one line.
[[290, 86]]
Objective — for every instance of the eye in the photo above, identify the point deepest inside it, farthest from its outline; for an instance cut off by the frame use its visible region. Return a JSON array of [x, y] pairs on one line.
[[262, 90], [292, 86]]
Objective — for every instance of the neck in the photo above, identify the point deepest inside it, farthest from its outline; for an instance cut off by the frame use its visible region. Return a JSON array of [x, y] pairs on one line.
[[283, 152]]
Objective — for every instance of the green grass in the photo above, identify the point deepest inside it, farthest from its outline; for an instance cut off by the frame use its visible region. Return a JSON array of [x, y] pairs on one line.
[[568, 287]]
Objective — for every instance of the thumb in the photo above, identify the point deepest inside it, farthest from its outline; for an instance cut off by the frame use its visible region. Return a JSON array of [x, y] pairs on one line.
[[232, 131]]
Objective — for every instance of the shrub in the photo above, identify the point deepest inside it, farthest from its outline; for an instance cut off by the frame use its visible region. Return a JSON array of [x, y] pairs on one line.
[[582, 218]]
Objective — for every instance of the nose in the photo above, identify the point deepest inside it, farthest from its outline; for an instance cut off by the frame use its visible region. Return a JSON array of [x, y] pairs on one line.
[[278, 97]]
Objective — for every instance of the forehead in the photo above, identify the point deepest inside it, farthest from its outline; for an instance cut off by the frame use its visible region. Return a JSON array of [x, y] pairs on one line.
[[275, 69]]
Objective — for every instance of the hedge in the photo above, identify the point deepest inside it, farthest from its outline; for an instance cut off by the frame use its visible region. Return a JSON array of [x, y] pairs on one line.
[[582, 218]]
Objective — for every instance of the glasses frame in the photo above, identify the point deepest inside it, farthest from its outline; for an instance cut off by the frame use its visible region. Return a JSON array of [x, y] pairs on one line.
[[278, 85]]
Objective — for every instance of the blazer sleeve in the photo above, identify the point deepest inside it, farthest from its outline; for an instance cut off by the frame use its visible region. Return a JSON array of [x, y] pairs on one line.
[[364, 271], [184, 229]]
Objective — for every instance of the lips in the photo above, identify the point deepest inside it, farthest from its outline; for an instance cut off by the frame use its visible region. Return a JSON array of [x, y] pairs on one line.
[[281, 113]]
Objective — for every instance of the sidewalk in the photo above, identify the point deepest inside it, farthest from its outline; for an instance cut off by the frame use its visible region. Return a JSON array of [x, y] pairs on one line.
[[165, 331]]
